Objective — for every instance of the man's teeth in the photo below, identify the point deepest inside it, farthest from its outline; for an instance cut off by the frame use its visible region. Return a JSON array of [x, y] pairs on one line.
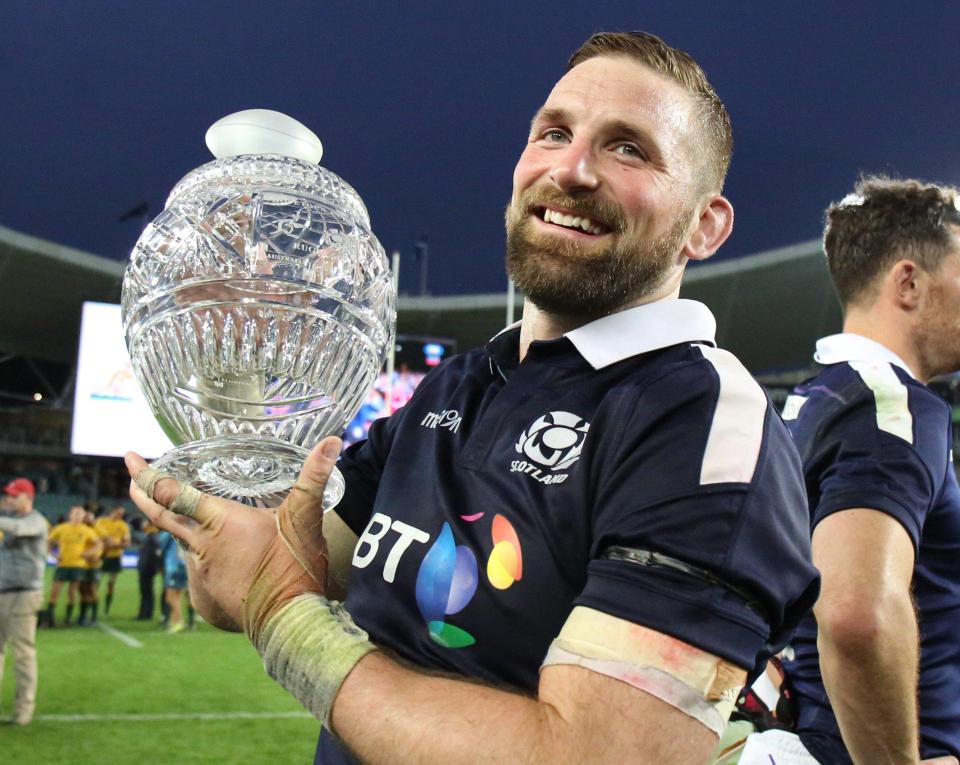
[[570, 221]]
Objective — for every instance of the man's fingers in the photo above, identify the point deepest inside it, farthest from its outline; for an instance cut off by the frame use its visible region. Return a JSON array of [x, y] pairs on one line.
[[161, 517], [945, 760], [162, 488], [307, 492], [319, 464], [166, 491], [300, 517]]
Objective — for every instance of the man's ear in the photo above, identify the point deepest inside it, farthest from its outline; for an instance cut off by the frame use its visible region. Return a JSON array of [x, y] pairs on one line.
[[711, 230], [907, 281]]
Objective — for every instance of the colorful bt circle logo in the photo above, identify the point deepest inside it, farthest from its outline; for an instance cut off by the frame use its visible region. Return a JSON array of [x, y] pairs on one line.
[[448, 578]]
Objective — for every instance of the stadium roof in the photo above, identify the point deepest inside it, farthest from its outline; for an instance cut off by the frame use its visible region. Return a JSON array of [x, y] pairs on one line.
[[46, 284], [770, 307]]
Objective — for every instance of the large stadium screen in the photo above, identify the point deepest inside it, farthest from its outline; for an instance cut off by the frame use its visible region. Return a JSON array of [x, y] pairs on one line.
[[110, 414]]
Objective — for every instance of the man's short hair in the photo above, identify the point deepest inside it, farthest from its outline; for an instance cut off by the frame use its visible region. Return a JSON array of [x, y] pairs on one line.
[[882, 221], [679, 66]]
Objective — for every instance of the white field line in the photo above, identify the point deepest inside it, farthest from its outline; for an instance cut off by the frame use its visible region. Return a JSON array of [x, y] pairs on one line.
[[123, 637], [171, 717]]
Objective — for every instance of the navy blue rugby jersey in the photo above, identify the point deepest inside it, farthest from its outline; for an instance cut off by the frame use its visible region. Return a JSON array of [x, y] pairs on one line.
[[629, 466], [872, 436]]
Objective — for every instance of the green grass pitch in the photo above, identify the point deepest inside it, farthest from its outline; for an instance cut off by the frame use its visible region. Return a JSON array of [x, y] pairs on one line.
[[202, 697]]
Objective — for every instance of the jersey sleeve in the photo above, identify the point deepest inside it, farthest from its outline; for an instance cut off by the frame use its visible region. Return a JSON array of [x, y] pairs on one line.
[[700, 524], [889, 451]]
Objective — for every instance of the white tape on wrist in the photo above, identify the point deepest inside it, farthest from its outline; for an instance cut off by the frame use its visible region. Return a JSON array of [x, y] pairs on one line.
[[310, 646]]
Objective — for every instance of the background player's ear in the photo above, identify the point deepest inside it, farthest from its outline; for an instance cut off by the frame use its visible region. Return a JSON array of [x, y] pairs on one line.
[[908, 282]]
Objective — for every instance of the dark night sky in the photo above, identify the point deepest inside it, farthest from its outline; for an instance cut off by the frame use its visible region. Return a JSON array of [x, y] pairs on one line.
[[424, 106]]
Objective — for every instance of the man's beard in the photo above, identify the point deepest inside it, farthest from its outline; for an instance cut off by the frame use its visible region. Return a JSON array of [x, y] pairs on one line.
[[935, 335], [568, 279]]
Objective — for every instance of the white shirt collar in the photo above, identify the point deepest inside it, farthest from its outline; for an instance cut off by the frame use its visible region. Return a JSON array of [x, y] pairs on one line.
[[645, 328], [847, 346]]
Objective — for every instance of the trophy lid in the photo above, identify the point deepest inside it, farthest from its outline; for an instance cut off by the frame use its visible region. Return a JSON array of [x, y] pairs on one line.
[[263, 131], [264, 148]]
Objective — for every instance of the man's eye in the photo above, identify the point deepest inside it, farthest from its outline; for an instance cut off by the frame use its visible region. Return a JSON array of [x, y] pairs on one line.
[[629, 150], [554, 135]]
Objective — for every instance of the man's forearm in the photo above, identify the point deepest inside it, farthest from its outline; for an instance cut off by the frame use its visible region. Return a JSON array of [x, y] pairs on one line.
[[22, 526], [387, 714], [870, 673], [479, 723], [10, 525]]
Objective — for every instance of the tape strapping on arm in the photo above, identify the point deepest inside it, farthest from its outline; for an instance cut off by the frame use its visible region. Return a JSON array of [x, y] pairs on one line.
[[293, 552], [309, 647], [699, 684]]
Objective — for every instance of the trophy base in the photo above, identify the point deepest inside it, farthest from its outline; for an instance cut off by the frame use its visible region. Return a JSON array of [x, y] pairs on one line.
[[254, 470]]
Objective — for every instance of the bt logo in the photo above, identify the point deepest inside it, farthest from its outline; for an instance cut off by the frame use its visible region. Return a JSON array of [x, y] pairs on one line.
[[448, 575], [376, 530]]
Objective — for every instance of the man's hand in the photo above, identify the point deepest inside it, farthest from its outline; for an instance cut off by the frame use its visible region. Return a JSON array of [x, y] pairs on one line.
[[241, 569], [945, 760]]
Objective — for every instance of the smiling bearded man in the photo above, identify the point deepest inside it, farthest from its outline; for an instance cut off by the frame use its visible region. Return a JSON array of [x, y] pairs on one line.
[[609, 530]]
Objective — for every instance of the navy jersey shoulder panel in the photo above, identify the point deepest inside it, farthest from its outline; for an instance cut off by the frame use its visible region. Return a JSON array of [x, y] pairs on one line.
[[658, 434], [860, 449]]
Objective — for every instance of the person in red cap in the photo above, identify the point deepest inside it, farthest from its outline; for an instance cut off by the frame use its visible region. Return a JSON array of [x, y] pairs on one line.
[[22, 560]]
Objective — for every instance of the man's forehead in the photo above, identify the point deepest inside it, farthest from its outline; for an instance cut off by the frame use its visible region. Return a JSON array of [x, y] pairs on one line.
[[622, 84]]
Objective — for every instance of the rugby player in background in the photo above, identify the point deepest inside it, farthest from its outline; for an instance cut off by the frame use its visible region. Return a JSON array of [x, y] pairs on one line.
[[74, 544], [876, 676], [90, 585], [115, 533]]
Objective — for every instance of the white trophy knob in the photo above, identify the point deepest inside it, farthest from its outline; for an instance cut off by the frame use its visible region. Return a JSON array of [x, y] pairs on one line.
[[263, 131]]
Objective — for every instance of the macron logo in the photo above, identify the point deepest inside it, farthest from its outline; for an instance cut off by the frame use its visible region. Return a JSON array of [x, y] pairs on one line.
[[448, 418]]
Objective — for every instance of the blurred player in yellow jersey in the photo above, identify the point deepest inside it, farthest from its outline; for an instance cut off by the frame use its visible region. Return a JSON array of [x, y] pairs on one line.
[[89, 597], [115, 534], [77, 545]]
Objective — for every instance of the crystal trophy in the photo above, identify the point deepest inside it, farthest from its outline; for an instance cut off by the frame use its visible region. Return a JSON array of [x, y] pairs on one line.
[[258, 309]]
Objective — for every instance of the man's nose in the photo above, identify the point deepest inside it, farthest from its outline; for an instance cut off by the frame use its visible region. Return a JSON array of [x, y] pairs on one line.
[[575, 169]]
